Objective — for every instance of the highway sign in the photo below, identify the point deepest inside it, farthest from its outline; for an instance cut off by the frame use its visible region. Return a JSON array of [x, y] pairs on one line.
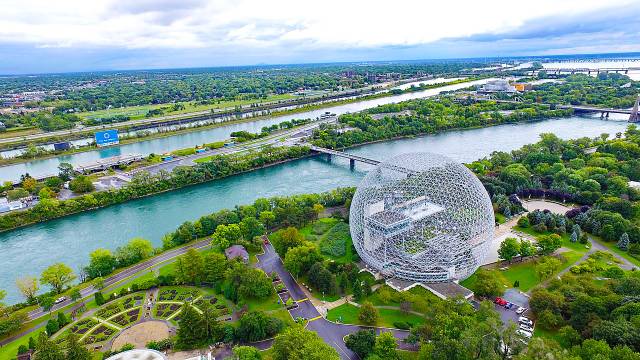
[[107, 137]]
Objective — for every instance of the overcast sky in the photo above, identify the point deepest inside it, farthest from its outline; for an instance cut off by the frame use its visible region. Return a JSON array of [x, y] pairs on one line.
[[78, 35]]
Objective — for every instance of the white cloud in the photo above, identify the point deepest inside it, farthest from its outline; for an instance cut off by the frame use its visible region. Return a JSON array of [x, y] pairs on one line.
[[140, 24]]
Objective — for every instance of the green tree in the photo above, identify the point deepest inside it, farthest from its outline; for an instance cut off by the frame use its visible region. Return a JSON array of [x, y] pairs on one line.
[[251, 227], [289, 238], [385, 346], [246, 353], [75, 350], [189, 268], [191, 332], [267, 218], [215, 265], [226, 235], [101, 263], [623, 243], [65, 171], [57, 276], [299, 260], [297, 343], [136, 250], [549, 243], [361, 342], [81, 184], [526, 248], [48, 350], [368, 314], [546, 266], [487, 283], [509, 248]]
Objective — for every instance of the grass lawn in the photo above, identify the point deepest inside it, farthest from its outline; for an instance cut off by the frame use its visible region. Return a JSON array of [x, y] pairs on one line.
[[268, 304], [348, 314], [613, 248], [9, 351], [501, 219], [546, 334], [140, 111], [524, 272]]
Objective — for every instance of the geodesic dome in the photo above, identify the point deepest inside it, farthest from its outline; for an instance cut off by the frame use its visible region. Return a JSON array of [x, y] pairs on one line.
[[422, 217]]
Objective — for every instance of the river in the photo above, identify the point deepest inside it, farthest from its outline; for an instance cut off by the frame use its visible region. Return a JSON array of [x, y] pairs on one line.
[[29, 250], [49, 166]]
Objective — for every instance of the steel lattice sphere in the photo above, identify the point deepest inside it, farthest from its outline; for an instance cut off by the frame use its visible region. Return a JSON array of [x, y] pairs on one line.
[[422, 217]]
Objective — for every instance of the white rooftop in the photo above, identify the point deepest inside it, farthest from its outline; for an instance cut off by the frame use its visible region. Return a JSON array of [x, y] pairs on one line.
[[139, 354]]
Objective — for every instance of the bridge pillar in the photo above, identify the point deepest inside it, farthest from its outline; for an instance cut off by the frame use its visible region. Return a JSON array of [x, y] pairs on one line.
[[329, 157], [635, 113], [607, 115], [352, 164]]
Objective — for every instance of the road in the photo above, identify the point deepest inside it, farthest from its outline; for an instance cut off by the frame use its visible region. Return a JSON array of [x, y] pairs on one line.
[[286, 137], [332, 333]]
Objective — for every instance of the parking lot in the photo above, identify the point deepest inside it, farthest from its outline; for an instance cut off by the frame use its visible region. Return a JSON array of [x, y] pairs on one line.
[[514, 299]]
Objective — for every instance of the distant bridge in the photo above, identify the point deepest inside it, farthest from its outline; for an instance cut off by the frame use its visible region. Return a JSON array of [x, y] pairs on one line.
[[588, 71], [634, 115]]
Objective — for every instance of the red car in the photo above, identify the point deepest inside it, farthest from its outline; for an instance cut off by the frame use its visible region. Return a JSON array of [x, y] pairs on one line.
[[500, 301]]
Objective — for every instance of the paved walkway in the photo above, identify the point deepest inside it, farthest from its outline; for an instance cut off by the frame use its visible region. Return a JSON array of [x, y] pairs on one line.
[[332, 333]]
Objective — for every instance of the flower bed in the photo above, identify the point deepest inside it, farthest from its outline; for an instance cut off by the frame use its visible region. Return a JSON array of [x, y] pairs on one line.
[[100, 334], [127, 318]]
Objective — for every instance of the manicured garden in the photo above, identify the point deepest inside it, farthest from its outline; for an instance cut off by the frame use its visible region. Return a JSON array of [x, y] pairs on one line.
[[348, 314]]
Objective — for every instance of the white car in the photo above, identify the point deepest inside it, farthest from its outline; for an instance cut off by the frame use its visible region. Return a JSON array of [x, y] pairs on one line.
[[526, 328], [60, 299], [526, 334], [524, 320], [520, 310]]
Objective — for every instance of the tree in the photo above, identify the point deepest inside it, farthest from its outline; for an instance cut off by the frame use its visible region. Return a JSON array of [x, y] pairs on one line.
[[99, 298], [523, 222], [28, 287], [226, 235], [47, 350], [546, 266], [251, 227], [190, 268], [267, 218], [526, 248], [75, 294], [357, 290], [322, 279], [52, 327], [133, 252], [65, 171], [488, 284], [574, 237], [300, 259], [47, 302], [549, 243], [509, 248], [81, 184], [101, 263], [385, 346], [190, 332], [623, 243], [361, 342], [289, 238], [98, 283], [75, 350], [57, 276], [256, 326], [297, 343], [246, 353], [215, 264], [317, 209], [368, 314]]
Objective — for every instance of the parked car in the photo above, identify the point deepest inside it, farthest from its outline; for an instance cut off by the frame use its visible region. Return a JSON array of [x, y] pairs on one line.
[[508, 305], [500, 301], [60, 299], [526, 328], [526, 334], [520, 310], [524, 320]]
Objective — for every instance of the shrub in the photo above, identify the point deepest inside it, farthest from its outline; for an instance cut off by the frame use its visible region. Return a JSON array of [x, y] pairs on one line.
[[334, 242], [401, 325], [524, 222]]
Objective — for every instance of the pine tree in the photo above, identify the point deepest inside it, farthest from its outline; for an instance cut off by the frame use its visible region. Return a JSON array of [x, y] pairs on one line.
[[576, 229], [191, 330], [623, 243], [574, 237], [48, 350], [357, 290], [75, 350]]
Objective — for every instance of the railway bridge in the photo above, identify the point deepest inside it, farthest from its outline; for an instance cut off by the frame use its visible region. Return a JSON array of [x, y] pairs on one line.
[[355, 158]]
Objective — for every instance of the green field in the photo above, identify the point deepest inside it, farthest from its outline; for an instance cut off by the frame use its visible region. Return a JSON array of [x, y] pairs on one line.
[[348, 314], [139, 112]]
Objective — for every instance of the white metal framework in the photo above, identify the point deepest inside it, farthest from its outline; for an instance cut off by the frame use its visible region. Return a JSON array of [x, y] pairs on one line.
[[422, 217]]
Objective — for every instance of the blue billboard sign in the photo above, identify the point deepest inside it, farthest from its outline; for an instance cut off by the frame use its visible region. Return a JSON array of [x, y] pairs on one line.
[[107, 137]]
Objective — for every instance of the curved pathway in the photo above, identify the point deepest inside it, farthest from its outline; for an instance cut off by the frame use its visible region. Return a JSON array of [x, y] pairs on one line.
[[332, 333]]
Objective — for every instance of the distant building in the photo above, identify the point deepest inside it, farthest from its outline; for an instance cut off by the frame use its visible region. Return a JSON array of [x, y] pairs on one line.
[[499, 85], [236, 251], [522, 87]]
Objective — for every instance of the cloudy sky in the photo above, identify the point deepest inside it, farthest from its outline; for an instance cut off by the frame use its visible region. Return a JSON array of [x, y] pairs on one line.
[[78, 35]]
